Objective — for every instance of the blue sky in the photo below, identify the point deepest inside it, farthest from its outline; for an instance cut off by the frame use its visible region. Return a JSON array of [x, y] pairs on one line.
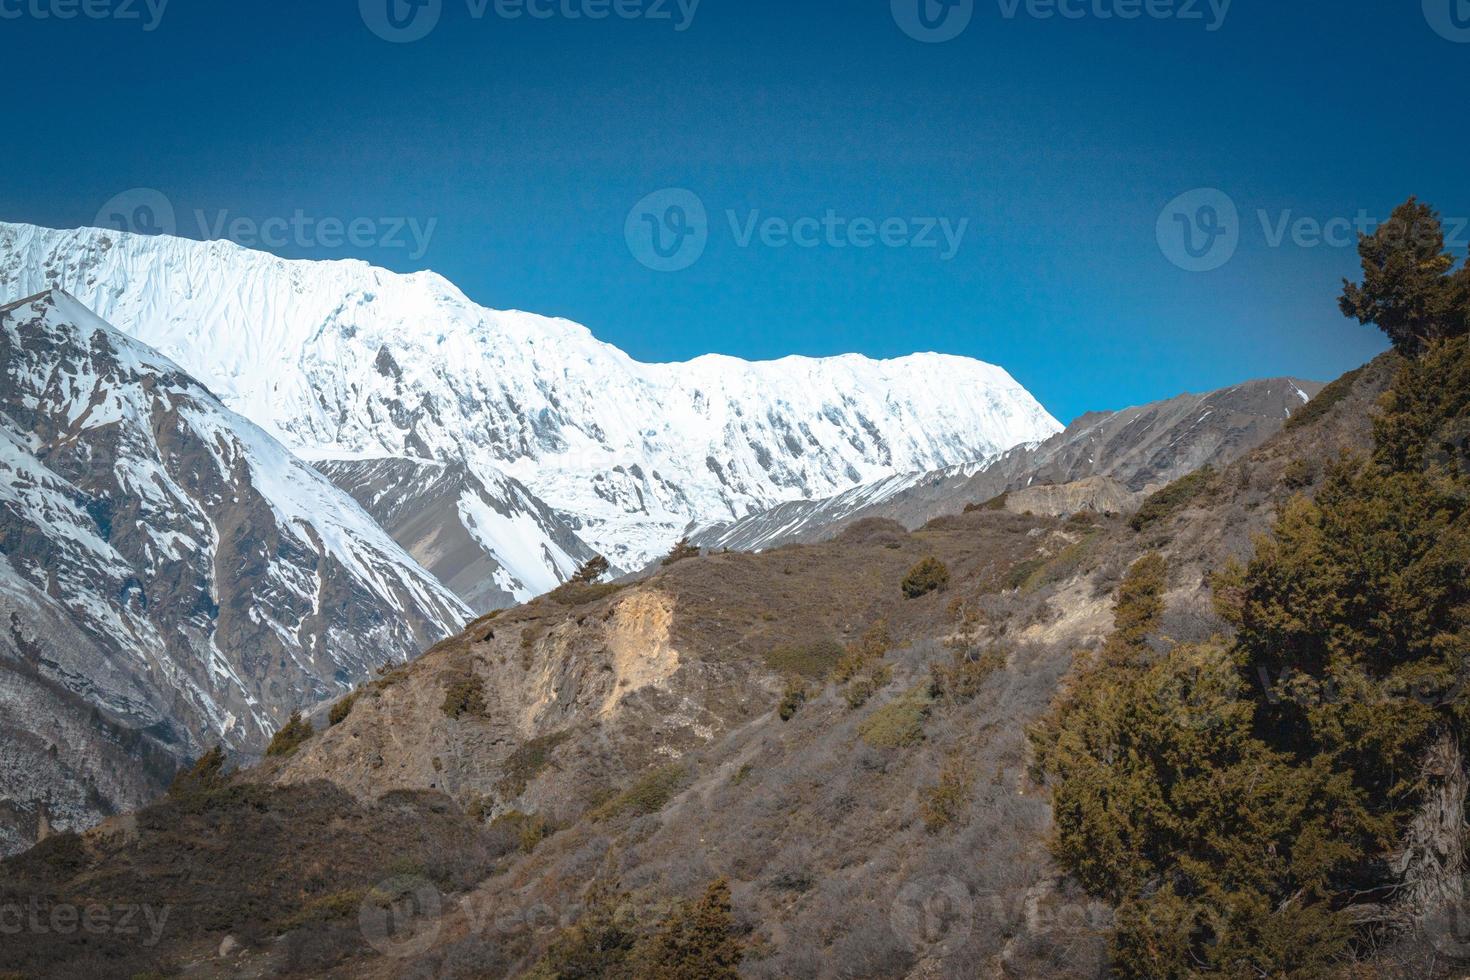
[[1054, 143]]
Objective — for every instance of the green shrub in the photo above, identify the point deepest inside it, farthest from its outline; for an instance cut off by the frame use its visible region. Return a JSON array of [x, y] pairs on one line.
[[526, 829], [1325, 401], [792, 699], [598, 946], [1172, 499], [1238, 826], [899, 724], [872, 645], [861, 689], [929, 575], [465, 697], [527, 762], [960, 680], [649, 794], [696, 941], [342, 709], [1023, 572], [291, 736], [204, 776], [814, 660], [946, 802], [680, 552], [592, 570], [580, 593], [331, 907], [1042, 570], [1298, 474], [993, 504]]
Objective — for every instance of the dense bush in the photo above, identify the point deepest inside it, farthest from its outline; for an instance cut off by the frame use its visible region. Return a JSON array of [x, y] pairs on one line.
[[696, 940], [792, 698], [946, 803], [1172, 499], [681, 551], [927, 576], [520, 830], [527, 762], [465, 697], [1327, 399], [960, 680], [342, 709], [898, 724], [290, 736], [815, 660], [1243, 803], [648, 794], [205, 775]]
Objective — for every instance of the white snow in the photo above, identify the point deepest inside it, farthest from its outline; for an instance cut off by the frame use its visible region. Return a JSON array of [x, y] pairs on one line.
[[343, 360]]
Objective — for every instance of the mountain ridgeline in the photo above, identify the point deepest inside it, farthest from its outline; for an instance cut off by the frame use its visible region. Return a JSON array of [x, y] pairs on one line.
[[1177, 692]]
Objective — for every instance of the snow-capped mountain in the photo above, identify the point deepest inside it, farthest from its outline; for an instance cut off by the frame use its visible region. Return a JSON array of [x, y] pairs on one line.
[[171, 575], [470, 536], [343, 360], [1126, 455]]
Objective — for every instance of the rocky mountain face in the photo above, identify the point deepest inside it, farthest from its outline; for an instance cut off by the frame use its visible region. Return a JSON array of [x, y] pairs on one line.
[[342, 360], [1121, 456], [171, 577], [469, 536], [849, 756]]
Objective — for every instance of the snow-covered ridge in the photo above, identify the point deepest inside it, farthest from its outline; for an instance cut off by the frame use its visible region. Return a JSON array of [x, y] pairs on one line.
[[344, 360], [185, 542]]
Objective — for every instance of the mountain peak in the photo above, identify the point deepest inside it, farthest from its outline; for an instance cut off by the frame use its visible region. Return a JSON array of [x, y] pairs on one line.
[[344, 360]]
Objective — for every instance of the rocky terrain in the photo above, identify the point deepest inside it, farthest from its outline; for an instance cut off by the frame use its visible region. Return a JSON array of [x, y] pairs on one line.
[[852, 760], [1136, 450], [467, 535], [170, 576]]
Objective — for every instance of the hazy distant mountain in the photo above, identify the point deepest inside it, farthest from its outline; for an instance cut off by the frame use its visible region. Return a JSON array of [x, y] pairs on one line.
[[1134, 450], [170, 575], [340, 359]]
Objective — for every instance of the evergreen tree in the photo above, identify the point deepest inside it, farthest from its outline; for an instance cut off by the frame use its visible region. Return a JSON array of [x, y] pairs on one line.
[[1408, 289], [594, 568]]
